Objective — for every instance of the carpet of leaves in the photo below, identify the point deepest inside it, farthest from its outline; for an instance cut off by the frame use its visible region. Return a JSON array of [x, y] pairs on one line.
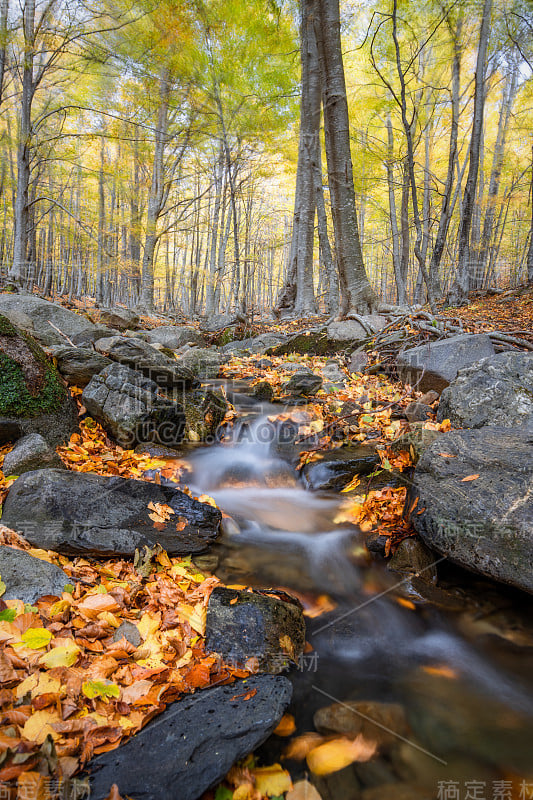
[[510, 312]]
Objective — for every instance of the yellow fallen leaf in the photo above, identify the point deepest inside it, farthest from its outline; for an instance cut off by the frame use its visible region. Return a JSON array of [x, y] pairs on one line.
[[272, 781], [36, 638], [354, 483], [195, 616], [64, 656], [339, 753], [148, 624], [38, 726], [470, 478]]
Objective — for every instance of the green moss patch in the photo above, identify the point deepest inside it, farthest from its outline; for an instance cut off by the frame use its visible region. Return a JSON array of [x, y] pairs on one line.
[[29, 384]]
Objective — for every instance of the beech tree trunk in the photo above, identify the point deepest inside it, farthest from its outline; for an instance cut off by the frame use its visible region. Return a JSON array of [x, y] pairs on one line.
[[20, 243], [158, 194], [460, 288], [357, 294]]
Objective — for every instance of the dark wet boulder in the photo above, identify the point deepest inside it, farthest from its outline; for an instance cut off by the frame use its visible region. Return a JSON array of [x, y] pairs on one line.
[[495, 391], [117, 317], [31, 452], [412, 557], [303, 383], [191, 746], [131, 408], [336, 469], [86, 514], [47, 322], [32, 394], [78, 364], [436, 364], [173, 336], [27, 578], [245, 625], [483, 523]]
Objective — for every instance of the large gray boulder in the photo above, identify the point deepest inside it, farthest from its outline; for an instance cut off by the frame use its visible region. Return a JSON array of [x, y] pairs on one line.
[[31, 452], [191, 746], [78, 365], [483, 523], [33, 398], [173, 336], [436, 364], [350, 330], [204, 363], [28, 578], [141, 356], [42, 319], [117, 317], [495, 391], [86, 514], [256, 344], [131, 408], [245, 625]]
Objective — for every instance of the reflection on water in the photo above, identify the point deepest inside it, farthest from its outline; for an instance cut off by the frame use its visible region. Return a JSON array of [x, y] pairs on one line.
[[468, 695]]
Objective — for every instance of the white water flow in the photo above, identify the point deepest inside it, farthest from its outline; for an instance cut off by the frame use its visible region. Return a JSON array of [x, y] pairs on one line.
[[369, 646]]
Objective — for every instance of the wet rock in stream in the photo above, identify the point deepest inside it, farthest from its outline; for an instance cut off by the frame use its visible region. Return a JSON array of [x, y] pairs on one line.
[[191, 746], [245, 625], [86, 514]]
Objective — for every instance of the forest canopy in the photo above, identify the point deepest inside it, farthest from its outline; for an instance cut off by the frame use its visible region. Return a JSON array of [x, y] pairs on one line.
[[183, 155]]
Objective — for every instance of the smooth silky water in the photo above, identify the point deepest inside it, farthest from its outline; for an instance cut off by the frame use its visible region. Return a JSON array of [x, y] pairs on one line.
[[464, 677]]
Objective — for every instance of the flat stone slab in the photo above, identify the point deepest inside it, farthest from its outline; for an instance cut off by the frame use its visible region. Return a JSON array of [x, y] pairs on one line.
[[86, 514], [436, 364], [192, 745], [27, 578], [484, 523]]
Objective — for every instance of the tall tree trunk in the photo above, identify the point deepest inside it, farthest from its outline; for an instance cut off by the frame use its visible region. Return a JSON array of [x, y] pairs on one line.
[[158, 193], [407, 125], [401, 289], [20, 245], [447, 205], [326, 255], [357, 294], [4, 10], [459, 291], [508, 97], [530, 248], [309, 143], [211, 276]]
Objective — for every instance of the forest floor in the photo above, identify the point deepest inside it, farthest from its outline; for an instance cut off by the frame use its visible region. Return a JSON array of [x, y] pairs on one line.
[[327, 420]]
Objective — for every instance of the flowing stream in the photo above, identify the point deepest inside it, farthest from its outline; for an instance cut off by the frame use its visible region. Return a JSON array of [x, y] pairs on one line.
[[461, 667]]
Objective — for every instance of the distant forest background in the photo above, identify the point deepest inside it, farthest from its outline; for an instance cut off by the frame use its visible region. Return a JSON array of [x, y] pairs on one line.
[[149, 150]]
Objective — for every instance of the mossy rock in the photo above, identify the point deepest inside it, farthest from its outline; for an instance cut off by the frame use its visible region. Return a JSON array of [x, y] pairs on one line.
[[31, 390], [204, 412]]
